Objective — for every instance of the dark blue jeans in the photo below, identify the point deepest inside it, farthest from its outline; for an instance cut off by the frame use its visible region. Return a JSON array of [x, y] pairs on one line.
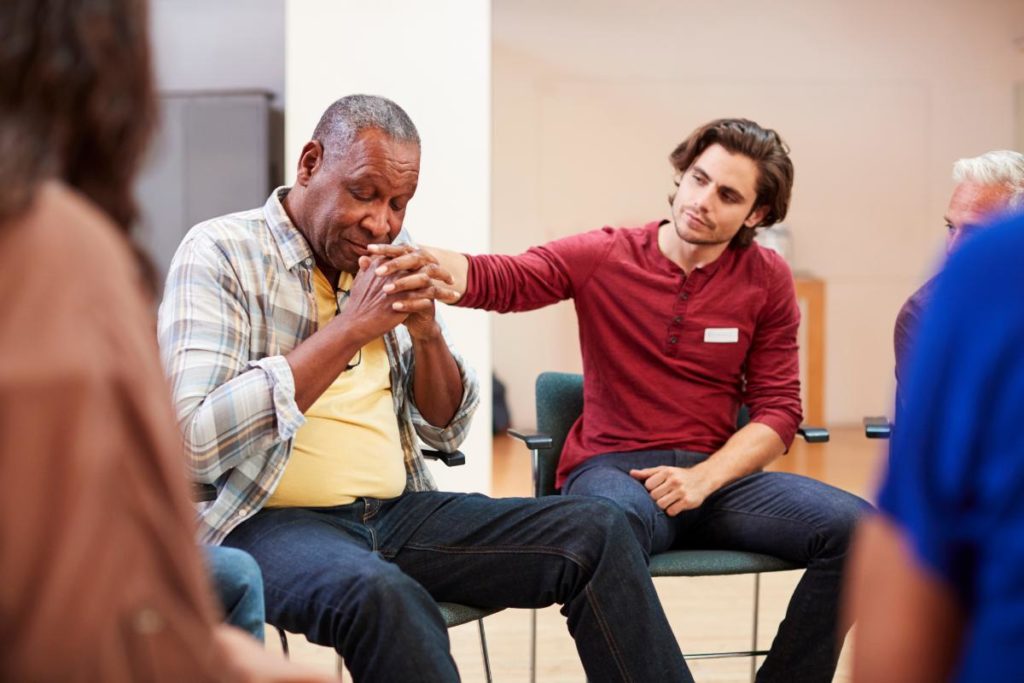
[[364, 578], [791, 517]]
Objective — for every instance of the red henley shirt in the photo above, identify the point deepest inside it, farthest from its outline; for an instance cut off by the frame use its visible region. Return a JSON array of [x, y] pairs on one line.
[[667, 358]]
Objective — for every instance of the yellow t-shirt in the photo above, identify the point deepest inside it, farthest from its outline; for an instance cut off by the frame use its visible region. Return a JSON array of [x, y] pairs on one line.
[[349, 446]]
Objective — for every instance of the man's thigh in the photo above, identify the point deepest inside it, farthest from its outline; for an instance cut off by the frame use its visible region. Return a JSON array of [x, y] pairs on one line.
[[775, 513], [503, 551], [607, 476], [312, 562]]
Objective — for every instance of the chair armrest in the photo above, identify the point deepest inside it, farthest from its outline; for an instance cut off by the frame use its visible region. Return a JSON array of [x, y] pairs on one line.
[[203, 493], [877, 427], [534, 442], [450, 459], [813, 434]]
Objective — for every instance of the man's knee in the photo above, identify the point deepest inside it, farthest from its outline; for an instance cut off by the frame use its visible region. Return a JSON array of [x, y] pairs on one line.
[[381, 596], [234, 572], [640, 515], [840, 517], [374, 598], [601, 523]]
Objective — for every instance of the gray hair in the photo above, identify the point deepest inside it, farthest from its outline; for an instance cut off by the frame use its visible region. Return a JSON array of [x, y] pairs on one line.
[[1001, 167], [352, 114]]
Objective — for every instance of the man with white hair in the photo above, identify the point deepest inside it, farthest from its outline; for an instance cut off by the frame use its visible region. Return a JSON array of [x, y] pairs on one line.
[[986, 186]]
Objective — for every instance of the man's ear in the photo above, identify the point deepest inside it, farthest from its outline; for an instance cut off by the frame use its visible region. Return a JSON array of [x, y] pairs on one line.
[[756, 216], [310, 161]]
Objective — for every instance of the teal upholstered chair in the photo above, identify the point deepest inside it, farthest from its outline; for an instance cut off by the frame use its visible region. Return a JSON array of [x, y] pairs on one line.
[[559, 404]]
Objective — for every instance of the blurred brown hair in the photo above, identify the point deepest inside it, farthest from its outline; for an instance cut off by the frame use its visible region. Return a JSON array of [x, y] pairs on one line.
[[763, 146], [76, 100]]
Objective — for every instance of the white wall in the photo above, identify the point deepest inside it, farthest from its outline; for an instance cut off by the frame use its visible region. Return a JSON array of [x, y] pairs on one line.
[[876, 99], [433, 59], [203, 45]]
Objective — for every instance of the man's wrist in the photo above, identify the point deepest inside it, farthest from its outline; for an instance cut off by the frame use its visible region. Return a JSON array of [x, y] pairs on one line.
[[709, 475], [427, 335]]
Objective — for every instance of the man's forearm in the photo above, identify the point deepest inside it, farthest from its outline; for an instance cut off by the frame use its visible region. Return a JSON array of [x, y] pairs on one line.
[[748, 450], [317, 362], [437, 382]]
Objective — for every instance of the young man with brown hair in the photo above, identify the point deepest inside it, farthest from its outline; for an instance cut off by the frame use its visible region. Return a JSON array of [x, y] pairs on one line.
[[682, 321]]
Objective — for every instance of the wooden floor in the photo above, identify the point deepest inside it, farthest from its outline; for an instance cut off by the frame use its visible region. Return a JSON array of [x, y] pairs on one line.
[[707, 614]]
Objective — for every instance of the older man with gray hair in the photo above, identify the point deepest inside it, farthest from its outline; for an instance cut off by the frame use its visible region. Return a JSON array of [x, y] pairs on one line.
[[986, 187], [304, 380]]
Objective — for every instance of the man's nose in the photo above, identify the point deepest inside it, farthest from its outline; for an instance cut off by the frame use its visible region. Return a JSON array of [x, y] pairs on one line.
[[379, 222], [704, 198]]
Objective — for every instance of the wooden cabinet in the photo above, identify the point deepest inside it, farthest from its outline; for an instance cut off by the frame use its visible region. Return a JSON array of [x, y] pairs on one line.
[[810, 293]]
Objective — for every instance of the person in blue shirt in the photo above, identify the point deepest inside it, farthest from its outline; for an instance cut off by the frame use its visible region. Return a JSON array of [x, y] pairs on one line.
[[937, 585]]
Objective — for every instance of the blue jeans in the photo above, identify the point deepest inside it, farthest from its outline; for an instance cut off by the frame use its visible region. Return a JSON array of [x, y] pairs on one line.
[[365, 578], [791, 517], [238, 585]]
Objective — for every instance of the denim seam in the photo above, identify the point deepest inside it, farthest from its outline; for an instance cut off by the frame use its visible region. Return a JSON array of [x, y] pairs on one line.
[[588, 595], [602, 623], [820, 535], [512, 550]]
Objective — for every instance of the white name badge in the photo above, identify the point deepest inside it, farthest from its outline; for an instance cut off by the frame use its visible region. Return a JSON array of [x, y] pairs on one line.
[[721, 335]]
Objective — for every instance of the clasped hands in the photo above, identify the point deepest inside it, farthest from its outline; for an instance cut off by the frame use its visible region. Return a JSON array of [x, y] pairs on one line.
[[399, 283]]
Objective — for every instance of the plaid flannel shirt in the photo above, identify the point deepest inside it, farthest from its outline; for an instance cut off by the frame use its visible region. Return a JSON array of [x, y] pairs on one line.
[[239, 296]]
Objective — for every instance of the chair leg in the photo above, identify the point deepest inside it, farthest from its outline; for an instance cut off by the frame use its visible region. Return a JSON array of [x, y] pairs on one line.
[[533, 646], [483, 646], [753, 638], [284, 641]]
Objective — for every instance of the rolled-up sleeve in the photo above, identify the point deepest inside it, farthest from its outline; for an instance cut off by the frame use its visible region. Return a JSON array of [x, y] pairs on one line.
[[229, 406]]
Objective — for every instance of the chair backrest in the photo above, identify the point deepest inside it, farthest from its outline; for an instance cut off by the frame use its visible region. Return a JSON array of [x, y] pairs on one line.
[[559, 403]]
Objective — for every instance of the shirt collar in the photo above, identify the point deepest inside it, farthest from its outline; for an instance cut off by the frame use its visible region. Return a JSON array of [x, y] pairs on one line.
[[706, 271], [290, 242]]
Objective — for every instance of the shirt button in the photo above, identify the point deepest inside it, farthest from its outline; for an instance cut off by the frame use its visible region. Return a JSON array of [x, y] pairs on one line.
[[684, 296], [241, 513], [676, 320], [673, 340], [308, 262]]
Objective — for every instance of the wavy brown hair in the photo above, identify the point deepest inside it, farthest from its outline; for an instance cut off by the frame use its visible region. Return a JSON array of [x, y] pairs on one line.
[[77, 102], [763, 146]]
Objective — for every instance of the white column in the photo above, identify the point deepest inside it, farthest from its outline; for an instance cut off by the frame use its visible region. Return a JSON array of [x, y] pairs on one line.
[[433, 59]]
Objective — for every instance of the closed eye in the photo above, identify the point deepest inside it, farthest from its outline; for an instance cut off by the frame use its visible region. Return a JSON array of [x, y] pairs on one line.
[[361, 194]]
